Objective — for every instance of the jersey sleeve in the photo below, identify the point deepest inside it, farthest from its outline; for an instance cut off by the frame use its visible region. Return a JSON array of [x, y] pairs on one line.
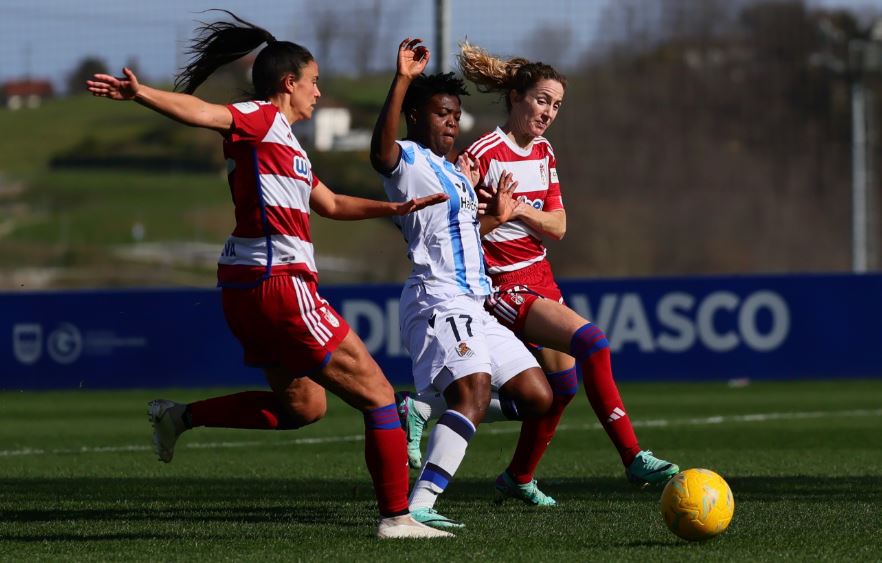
[[251, 121], [553, 198], [396, 180]]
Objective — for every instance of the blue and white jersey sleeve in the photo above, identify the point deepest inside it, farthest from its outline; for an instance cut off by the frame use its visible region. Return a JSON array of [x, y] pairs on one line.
[[443, 241]]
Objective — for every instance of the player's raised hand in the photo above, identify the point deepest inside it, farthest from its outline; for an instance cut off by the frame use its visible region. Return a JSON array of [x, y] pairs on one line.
[[107, 86], [502, 205], [419, 203], [412, 58], [468, 166]]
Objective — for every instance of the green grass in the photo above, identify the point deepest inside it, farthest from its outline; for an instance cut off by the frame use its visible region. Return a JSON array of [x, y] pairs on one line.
[[79, 482]]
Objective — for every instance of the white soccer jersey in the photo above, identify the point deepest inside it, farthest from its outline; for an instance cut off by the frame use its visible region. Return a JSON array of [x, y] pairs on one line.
[[443, 241], [515, 245]]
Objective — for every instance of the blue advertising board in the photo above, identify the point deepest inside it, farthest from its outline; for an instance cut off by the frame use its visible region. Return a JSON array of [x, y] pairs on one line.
[[686, 329]]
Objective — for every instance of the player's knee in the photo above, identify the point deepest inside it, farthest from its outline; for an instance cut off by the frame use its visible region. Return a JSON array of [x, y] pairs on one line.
[[303, 412], [537, 402], [378, 392], [470, 396]]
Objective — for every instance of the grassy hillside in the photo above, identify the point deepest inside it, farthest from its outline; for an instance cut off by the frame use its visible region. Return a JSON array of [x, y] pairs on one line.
[[75, 227]]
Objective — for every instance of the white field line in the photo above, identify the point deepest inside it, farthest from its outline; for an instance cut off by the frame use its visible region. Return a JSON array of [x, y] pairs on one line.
[[507, 429]]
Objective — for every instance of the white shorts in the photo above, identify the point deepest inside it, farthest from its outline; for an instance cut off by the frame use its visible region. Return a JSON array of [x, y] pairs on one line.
[[451, 337]]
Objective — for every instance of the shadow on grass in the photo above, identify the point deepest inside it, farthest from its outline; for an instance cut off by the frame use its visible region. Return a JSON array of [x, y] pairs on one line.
[[337, 503]]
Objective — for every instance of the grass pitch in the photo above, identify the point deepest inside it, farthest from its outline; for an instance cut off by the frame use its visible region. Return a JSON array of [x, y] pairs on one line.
[[78, 481]]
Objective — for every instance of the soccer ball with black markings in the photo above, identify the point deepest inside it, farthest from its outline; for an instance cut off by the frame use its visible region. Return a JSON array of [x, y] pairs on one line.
[[697, 504]]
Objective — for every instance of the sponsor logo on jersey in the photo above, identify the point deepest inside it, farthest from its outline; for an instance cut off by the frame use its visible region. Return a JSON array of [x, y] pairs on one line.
[[517, 299], [301, 166], [554, 179], [229, 249], [542, 175], [469, 205], [329, 316], [246, 107], [463, 350], [535, 203]]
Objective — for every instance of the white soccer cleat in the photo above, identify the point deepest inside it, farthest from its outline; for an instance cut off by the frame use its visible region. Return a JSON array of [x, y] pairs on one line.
[[167, 419], [406, 527]]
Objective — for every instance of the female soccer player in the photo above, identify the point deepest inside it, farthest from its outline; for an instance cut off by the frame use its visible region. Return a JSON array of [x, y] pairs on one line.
[[457, 348], [266, 270], [526, 297]]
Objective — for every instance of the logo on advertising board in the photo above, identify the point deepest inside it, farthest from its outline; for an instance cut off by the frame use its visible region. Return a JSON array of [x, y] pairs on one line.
[[27, 342], [65, 344]]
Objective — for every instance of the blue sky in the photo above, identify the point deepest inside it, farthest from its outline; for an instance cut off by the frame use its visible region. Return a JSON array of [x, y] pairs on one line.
[[48, 37]]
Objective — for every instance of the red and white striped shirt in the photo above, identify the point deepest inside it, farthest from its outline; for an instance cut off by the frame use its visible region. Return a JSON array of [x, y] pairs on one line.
[[270, 180], [514, 245]]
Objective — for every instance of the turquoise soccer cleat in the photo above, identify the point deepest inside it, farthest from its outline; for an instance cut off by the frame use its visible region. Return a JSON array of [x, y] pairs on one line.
[[430, 517], [527, 492], [397, 527], [646, 469], [413, 425]]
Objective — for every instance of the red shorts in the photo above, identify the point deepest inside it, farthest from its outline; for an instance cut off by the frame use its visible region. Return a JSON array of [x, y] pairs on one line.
[[283, 322], [515, 292]]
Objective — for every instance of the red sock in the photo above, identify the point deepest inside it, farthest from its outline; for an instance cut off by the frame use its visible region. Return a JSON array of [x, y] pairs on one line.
[[536, 434], [260, 410], [385, 451], [591, 349]]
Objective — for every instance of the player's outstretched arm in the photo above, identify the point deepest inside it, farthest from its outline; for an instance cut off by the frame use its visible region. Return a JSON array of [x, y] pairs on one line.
[[185, 108], [347, 208], [412, 60], [551, 223]]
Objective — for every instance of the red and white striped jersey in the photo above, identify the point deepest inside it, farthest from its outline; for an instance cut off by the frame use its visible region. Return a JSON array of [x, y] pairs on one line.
[[270, 180], [515, 245]]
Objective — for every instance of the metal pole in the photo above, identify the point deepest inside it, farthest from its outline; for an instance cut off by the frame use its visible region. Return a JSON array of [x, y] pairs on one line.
[[871, 185], [442, 35], [858, 178]]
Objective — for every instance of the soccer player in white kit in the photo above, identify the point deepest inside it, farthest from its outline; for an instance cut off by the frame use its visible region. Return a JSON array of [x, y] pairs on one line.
[[457, 347], [526, 297]]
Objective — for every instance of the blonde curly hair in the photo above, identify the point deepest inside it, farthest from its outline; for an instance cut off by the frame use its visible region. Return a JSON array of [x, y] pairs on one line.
[[493, 74]]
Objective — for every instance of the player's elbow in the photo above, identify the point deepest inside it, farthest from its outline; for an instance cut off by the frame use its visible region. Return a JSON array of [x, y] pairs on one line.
[[382, 163], [558, 234], [326, 209]]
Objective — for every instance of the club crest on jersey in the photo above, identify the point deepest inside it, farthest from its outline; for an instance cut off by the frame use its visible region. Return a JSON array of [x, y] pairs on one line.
[[329, 316], [463, 350]]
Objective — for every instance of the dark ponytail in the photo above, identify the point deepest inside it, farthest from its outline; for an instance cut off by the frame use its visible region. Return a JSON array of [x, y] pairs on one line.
[[220, 43]]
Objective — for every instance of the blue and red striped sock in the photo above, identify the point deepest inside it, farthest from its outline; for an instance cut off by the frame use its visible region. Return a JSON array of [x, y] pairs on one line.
[[385, 451]]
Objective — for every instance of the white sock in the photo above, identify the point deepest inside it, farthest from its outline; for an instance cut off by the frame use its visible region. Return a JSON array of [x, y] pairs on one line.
[[447, 447]]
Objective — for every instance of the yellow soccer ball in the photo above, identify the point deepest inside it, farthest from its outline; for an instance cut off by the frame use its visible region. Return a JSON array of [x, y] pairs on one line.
[[697, 504]]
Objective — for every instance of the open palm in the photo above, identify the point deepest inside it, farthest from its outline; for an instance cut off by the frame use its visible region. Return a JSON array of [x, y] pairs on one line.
[[412, 58]]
